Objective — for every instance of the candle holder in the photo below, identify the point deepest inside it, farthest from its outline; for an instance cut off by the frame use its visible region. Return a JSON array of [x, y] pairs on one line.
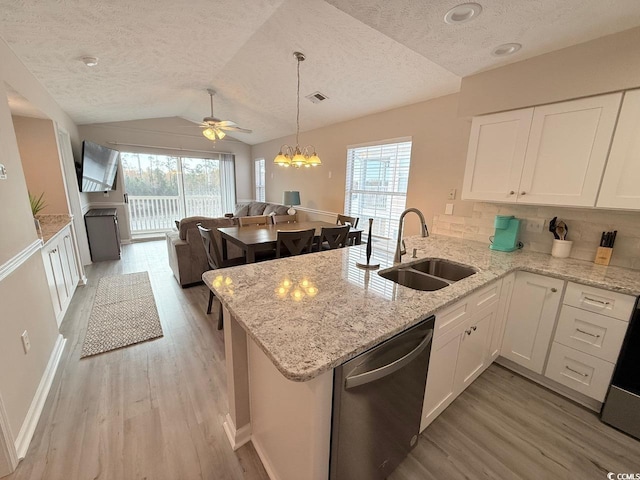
[[368, 265]]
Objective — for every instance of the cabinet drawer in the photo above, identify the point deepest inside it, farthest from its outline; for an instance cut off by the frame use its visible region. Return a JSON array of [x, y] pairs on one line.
[[581, 372], [612, 304], [487, 295], [591, 333], [452, 316]]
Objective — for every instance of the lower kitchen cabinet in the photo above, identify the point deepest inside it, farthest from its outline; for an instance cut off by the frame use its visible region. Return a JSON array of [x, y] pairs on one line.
[[530, 320], [460, 353], [61, 269]]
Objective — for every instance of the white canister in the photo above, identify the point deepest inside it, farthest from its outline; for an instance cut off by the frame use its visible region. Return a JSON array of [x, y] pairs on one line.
[[561, 248]]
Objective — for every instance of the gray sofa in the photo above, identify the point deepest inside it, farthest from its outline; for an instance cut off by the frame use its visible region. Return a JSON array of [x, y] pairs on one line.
[[187, 257]]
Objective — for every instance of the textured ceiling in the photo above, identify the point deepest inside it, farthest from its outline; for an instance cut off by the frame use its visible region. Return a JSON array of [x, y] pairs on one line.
[[158, 57]]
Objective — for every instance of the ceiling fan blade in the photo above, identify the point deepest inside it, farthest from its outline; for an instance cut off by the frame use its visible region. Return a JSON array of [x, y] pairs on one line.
[[227, 123], [237, 129]]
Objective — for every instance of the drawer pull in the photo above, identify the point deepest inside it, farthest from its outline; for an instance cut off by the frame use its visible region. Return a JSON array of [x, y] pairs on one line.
[[597, 301], [576, 371], [474, 328], [468, 332], [554, 290], [587, 333]]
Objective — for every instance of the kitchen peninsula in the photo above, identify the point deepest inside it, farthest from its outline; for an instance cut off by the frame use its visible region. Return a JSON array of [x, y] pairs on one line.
[[289, 323]]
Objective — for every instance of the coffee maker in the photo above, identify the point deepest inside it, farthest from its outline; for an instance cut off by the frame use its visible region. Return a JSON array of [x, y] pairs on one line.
[[507, 236]]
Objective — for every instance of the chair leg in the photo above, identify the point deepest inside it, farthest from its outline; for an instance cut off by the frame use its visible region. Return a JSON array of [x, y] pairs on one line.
[[220, 319], [210, 302]]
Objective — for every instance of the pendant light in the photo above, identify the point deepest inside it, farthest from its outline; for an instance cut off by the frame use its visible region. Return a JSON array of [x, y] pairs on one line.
[[295, 156]]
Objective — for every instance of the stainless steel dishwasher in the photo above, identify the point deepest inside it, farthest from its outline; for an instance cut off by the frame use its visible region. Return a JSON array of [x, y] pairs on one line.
[[377, 405]]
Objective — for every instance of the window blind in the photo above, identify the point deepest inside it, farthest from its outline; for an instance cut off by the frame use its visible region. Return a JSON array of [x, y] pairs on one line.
[[376, 186], [259, 177]]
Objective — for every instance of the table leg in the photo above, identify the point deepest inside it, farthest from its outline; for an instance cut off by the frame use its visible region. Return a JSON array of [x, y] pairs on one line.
[[225, 255], [251, 255]]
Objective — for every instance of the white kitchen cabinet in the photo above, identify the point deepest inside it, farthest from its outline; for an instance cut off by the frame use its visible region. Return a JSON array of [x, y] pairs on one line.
[[61, 269], [530, 320], [495, 158], [501, 316], [460, 349], [563, 159], [620, 182]]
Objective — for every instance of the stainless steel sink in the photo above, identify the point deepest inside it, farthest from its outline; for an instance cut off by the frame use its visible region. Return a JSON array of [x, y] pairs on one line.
[[428, 275], [414, 279], [441, 268]]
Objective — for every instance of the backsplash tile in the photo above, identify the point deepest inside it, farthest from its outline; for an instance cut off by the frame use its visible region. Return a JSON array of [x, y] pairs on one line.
[[585, 228]]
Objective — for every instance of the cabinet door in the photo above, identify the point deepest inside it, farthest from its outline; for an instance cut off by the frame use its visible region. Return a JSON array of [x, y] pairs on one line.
[[531, 318], [501, 316], [495, 158], [71, 260], [440, 389], [51, 279], [567, 151], [474, 348], [620, 182]]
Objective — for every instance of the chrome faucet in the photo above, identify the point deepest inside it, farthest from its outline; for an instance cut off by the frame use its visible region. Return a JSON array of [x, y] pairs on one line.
[[400, 247]]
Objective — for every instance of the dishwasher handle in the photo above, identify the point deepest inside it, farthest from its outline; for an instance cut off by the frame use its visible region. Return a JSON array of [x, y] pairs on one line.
[[378, 373]]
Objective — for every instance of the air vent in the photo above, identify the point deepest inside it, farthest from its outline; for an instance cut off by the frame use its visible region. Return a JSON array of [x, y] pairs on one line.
[[317, 97]]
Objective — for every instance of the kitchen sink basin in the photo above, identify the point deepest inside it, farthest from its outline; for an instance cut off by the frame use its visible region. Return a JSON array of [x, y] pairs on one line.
[[441, 268], [414, 279], [428, 275]]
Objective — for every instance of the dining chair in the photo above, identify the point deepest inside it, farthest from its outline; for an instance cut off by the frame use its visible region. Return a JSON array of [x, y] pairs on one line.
[[345, 219], [214, 258], [254, 220], [294, 242], [284, 218], [333, 237]]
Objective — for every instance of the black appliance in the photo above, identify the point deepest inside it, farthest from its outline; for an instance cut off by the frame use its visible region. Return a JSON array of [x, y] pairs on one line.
[[622, 405]]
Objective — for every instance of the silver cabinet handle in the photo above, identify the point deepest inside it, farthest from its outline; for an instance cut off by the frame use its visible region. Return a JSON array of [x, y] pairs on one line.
[[576, 371], [596, 301], [554, 290], [587, 333]]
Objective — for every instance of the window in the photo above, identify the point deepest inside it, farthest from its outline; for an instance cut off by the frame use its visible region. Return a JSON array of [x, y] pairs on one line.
[[377, 179], [258, 175], [163, 188]]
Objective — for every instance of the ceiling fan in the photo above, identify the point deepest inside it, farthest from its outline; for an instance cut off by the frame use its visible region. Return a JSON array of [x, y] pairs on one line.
[[214, 128]]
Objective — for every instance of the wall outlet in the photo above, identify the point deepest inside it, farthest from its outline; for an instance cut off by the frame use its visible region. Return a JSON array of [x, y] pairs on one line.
[[535, 225], [452, 194], [26, 343], [448, 209], [3, 172]]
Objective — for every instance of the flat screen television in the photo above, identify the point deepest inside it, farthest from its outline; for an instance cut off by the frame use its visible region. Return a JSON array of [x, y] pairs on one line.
[[98, 168]]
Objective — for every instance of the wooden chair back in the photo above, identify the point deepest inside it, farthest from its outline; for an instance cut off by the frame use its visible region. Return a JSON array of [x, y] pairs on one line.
[[345, 219], [335, 237], [284, 218], [254, 220], [294, 242], [210, 247]]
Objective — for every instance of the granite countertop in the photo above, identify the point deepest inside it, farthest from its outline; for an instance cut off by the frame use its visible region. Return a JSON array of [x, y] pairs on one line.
[[313, 312], [50, 225]]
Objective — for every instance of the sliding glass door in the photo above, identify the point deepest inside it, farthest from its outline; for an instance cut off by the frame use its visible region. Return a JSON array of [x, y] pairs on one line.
[[162, 189]]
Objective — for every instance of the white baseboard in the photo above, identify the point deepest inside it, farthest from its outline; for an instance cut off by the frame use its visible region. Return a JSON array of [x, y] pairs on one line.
[[35, 410], [237, 438], [264, 459]]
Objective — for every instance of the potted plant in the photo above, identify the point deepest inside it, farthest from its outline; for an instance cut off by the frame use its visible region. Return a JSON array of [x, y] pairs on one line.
[[37, 205]]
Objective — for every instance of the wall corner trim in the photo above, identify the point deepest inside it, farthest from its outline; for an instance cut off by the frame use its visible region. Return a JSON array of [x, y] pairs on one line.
[[14, 263], [8, 454], [35, 410]]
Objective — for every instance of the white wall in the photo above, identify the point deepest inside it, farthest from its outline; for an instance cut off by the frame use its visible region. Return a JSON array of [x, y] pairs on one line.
[[26, 304]]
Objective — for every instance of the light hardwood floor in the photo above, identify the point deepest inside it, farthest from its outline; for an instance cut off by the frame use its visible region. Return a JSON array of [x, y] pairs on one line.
[[155, 410]]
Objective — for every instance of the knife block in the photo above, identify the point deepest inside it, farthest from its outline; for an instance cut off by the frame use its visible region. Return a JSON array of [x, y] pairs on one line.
[[603, 256]]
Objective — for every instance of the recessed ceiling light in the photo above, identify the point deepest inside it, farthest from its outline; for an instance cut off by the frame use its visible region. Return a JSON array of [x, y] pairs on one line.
[[463, 13], [506, 49], [90, 61]]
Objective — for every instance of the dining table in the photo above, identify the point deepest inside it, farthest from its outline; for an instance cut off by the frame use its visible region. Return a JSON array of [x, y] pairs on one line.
[[262, 238]]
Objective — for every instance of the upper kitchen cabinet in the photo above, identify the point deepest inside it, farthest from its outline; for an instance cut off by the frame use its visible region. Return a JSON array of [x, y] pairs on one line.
[[560, 162], [620, 183], [497, 146]]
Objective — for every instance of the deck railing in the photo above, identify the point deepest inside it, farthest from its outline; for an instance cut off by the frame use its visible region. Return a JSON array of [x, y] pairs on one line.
[[157, 214]]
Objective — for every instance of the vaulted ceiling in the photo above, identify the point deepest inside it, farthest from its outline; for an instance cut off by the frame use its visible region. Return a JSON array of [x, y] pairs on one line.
[[157, 58]]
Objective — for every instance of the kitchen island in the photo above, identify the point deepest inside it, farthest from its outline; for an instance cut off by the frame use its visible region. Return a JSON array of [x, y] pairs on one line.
[[296, 319]]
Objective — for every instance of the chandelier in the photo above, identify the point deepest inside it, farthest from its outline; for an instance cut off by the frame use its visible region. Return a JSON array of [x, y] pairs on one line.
[[296, 156]]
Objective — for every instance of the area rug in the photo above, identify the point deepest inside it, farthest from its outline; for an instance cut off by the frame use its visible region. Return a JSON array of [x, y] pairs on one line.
[[124, 313]]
